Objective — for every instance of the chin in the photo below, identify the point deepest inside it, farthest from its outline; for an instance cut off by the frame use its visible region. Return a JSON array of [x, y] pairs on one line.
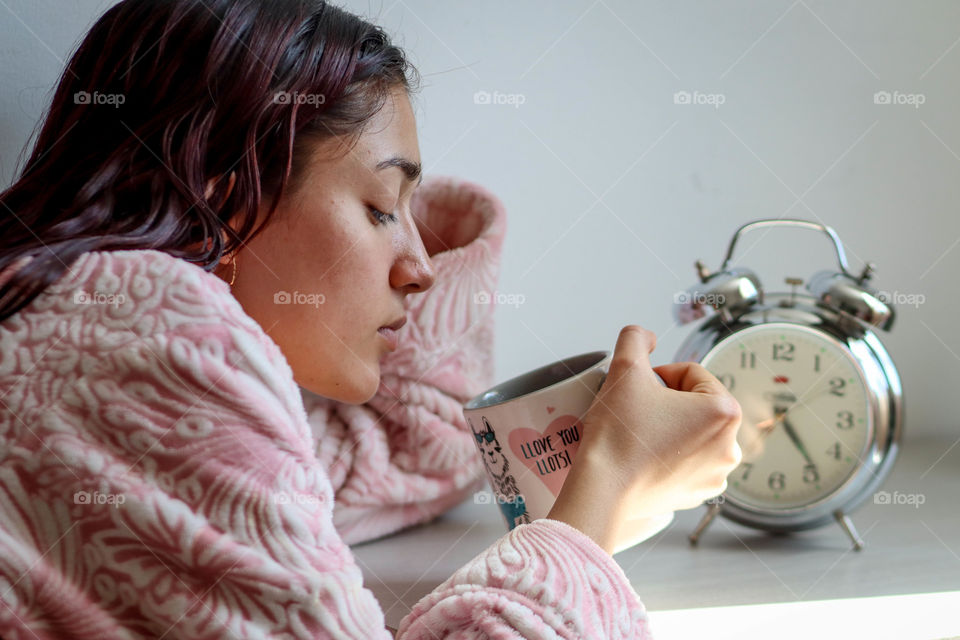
[[364, 383], [353, 382]]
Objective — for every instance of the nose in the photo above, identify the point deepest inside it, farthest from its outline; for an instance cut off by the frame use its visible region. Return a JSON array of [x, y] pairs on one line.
[[413, 271]]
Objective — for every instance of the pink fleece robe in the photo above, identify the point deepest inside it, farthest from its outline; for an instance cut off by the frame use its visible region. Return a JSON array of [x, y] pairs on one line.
[[162, 475]]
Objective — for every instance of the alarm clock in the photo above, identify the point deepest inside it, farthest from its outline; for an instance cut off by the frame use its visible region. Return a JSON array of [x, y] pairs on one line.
[[820, 396]]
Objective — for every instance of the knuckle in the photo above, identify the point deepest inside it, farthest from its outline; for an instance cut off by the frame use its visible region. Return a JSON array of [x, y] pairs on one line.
[[623, 363], [732, 458], [700, 369], [736, 455], [726, 409]]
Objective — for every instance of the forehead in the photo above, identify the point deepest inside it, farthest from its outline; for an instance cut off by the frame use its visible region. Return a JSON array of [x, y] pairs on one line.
[[392, 131]]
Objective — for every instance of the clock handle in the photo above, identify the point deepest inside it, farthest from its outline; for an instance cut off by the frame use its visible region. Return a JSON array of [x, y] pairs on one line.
[[791, 222]]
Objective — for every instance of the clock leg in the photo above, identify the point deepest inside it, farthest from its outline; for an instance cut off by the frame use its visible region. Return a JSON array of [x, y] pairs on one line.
[[712, 510], [847, 525]]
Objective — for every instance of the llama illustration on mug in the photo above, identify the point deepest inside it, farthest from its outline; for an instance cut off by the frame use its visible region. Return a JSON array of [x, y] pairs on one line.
[[508, 495]]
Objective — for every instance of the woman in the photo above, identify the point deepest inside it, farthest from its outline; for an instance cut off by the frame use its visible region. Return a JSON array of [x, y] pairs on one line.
[[218, 209]]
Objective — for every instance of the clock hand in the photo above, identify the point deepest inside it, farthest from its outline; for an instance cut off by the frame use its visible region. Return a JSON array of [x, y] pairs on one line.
[[770, 423], [766, 425], [795, 439], [752, 449]]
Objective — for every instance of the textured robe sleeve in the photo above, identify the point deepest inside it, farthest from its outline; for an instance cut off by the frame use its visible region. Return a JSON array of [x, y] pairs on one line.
[[157, 474], [542, 580]]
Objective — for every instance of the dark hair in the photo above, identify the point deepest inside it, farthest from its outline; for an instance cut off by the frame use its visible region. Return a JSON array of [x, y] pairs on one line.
[[162, 96]]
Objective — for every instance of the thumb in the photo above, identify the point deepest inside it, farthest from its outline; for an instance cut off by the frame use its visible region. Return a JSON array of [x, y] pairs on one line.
[[633, 349]]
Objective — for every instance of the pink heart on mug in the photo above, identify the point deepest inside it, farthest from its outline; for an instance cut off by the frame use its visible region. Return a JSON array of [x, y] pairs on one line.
[[551, 409], [547, 454]]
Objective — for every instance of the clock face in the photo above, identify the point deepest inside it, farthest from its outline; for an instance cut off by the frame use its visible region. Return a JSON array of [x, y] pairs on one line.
[[806, 413]]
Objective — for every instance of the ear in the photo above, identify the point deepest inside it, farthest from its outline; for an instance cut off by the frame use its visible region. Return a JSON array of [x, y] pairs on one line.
[[211, 183]]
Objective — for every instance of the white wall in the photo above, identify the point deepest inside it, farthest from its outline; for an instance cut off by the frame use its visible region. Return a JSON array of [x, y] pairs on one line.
[[613, 190]]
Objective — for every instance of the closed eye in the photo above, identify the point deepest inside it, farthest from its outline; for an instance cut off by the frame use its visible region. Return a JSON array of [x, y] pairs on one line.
[[382, 217]]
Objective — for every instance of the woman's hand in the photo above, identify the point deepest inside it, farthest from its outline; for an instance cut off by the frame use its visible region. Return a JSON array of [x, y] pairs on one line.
[[648, 449]]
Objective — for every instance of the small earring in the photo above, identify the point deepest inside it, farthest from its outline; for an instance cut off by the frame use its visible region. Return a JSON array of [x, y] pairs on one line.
[[234, 276]]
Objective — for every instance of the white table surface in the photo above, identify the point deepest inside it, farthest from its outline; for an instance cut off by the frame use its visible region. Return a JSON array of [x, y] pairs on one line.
[[912, 553]]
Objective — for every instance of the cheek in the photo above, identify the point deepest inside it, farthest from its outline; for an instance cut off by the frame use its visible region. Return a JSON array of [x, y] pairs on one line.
[[315, 284], [335, 258]]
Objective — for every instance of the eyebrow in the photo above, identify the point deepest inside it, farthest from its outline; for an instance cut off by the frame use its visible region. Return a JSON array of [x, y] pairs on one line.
[[412, 170]]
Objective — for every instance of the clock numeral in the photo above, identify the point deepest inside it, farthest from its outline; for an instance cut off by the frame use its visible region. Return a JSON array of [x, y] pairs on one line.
[[835, 451], [748, 360], [816, 362], [810, 474], [726, 379], [783, 351], [844, 420], [837, 385], [776, 481], [747, 468]]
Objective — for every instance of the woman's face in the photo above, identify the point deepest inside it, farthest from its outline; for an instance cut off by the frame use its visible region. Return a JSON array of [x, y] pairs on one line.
[[326, 274]]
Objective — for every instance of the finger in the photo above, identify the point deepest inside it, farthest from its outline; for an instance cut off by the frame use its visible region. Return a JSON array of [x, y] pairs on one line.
[[690, 376], [634, 346]]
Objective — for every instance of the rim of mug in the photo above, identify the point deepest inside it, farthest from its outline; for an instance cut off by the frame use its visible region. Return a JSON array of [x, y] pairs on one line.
[[477, 402]]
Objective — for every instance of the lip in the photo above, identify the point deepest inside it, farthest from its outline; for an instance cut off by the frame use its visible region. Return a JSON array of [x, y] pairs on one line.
[[396, 324], [389, 332]]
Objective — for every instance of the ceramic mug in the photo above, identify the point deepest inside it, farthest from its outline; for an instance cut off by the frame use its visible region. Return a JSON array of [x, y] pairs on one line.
[[528, 430]]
